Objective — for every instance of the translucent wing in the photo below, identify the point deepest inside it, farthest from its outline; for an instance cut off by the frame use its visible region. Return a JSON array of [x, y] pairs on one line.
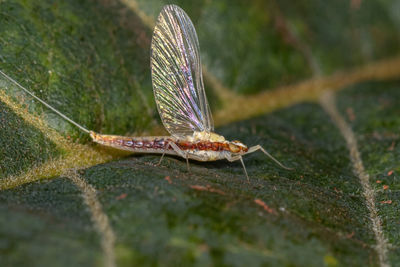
[[176, 74]]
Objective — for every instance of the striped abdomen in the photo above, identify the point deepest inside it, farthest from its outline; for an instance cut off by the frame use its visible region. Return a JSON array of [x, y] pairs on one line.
[[156, 144]]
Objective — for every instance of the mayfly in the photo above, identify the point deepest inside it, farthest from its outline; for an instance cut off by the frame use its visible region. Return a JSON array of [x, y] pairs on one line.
[[180, 97]]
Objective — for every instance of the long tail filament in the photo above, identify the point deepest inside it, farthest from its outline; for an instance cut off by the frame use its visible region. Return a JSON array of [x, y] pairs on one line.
[[44, 103]]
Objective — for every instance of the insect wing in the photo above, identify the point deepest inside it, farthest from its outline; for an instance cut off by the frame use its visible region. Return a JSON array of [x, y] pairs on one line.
[[177, 76]]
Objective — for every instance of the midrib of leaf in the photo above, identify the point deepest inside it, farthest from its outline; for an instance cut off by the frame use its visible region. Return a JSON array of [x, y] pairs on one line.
[[99, 218], [309, 90], [77, 155], [327, 101]]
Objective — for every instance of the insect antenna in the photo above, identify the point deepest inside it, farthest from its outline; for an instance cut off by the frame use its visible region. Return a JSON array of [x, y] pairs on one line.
[[275, 160], [44, 103], [258, 147]]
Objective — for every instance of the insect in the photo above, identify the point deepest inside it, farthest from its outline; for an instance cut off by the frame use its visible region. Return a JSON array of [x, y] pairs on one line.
[[180, 97]]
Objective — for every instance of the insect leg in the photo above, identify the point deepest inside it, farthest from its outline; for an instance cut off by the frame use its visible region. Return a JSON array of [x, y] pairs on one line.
[[181, 153], [244, 168], [258, 147], [162, 156], [187, 162], [235, 158], [232, 158], [178, 150]]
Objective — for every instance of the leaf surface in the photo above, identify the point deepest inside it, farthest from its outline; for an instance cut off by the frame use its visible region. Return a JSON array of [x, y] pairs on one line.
[[67, 202]]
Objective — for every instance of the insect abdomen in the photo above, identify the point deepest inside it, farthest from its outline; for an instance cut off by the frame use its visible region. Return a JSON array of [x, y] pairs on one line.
[[152, 144]]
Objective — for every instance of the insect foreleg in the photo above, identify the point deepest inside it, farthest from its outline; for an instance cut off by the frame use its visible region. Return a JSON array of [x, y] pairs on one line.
[[235, 158], [244, 168], [258, 147]]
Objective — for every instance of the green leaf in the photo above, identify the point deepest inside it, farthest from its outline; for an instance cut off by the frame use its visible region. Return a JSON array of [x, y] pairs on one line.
[[377, 125], [17, 155], [67, 202]]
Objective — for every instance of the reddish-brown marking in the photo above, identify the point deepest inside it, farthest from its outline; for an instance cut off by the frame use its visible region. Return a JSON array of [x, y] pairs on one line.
[[350, 235], [208, 146], [391, 148], [201, 146], [185, 145], [207, 188], [385, 187], [122, 196], [214, 146], [264, 206], [168, 179], [198, 187], [224, 147]]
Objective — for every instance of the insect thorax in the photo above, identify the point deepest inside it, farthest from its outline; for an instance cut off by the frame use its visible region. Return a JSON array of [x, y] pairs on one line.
[[206, 136]]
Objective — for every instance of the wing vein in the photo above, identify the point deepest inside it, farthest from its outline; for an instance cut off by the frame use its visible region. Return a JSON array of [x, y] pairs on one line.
[[177, 76]]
